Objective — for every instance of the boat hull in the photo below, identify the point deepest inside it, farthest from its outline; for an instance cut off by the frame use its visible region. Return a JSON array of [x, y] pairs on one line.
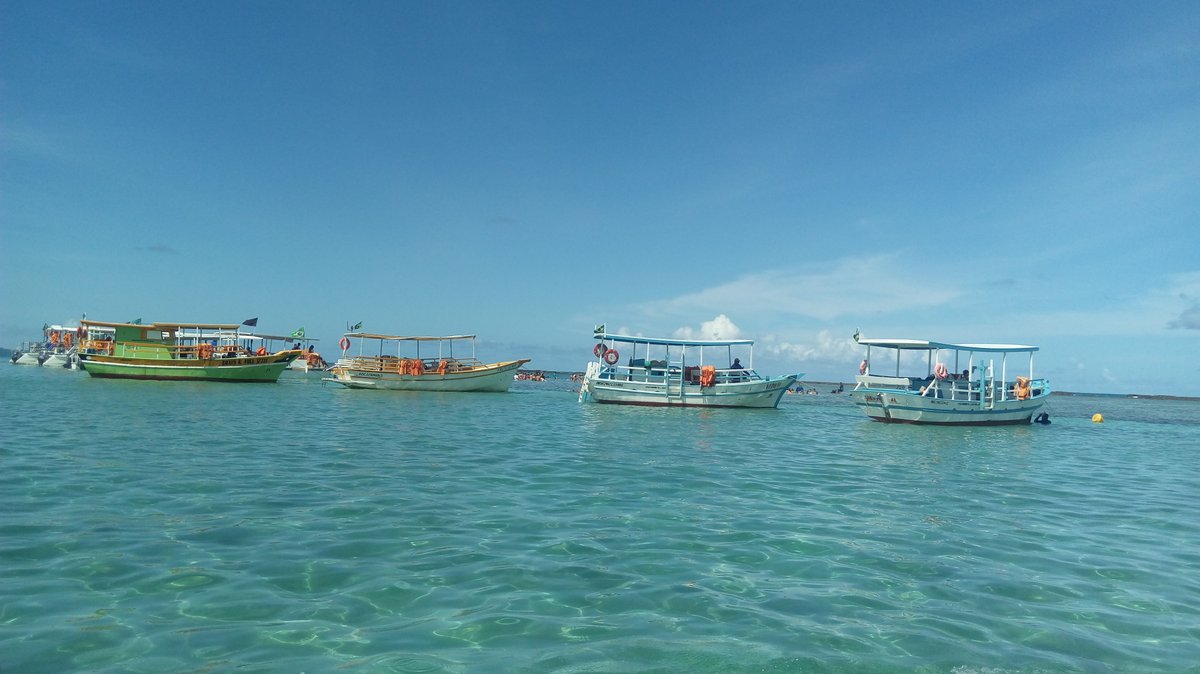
[[496, 377], [762, 393], [261, 369], [27, 358], [58, 360], [912, 408]]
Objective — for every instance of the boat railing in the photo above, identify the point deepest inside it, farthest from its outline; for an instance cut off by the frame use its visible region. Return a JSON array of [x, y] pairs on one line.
[[952, 388], [405, 365], [690, 375], [869, 380]]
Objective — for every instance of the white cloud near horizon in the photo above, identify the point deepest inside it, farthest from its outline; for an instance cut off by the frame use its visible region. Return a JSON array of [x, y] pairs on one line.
[[822, 291], [1186, 289], [720, 327], [826, 346]]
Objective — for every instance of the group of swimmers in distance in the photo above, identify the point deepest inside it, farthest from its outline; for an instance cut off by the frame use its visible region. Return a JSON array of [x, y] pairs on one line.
[[812, 390]]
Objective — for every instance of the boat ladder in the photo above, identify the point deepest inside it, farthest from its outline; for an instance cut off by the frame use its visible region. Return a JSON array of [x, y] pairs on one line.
[[593, 371], [679, 379]]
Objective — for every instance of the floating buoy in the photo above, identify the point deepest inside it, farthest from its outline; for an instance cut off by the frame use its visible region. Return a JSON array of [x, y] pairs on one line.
[[1097, 418]]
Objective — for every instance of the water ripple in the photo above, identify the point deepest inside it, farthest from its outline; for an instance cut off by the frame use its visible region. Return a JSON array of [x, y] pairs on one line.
[[305, 528]]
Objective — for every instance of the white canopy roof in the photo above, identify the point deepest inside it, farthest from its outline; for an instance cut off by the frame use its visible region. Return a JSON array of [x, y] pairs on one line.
[[925, 345], [674, 342]]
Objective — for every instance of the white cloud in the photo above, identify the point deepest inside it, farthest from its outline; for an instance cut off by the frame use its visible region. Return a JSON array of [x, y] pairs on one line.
[[1186, 288], [825, 346], [718, 328], [822, 291], [1189, 319]]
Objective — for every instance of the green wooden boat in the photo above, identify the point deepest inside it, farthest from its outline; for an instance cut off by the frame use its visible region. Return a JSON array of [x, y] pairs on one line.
[[175, 351]]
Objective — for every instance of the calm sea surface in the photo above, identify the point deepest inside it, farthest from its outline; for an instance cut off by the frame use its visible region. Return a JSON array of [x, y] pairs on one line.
[[299, 527]]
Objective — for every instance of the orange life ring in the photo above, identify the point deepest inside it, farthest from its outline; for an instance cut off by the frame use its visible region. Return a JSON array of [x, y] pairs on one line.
[[940, 371], [204, 350], [863, 366], [344, 343], [600, 349], [611, 356]]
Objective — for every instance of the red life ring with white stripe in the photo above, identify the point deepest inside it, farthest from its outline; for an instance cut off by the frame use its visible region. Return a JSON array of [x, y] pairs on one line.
[[600, 349], [863, 366], [611, 356], [940, 371], [344, 343]]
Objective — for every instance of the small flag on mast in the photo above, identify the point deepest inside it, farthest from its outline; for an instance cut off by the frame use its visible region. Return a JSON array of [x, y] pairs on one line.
[[599, 329], [298, 334], [252, 322], [357, 326]]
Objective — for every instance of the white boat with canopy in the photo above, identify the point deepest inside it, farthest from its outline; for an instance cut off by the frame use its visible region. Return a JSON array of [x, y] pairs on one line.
[[57, 348], [949, 384], [396, 362], [679, 373], [311, 360]]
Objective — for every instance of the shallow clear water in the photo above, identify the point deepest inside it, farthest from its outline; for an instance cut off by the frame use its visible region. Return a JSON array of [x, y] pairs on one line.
[[188, 527]]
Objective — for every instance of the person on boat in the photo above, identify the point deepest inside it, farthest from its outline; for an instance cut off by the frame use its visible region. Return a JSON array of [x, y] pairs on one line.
[[737, 365], [296, 347]]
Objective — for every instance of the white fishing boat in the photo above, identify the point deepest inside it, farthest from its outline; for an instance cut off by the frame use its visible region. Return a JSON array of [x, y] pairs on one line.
[[949, 384], [29, 353], [311, 361], [56, 349], [395, 362], [678, 373]]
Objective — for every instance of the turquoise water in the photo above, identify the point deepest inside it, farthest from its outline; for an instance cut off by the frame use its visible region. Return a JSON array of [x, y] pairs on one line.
[[191, 527]]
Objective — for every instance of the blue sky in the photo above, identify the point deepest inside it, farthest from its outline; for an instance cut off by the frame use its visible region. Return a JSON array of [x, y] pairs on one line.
[[784, 171]]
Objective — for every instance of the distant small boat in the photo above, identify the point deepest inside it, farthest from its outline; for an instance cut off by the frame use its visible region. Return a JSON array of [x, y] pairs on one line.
[[28, 353], [390, 368], [175, 351], [678, 373], [310, 359], [928, 390], [56, 349]]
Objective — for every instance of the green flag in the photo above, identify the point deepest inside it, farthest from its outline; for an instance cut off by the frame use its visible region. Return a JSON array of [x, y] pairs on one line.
[[357, 326], [599, 329], [298, 334], [136, 321]]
